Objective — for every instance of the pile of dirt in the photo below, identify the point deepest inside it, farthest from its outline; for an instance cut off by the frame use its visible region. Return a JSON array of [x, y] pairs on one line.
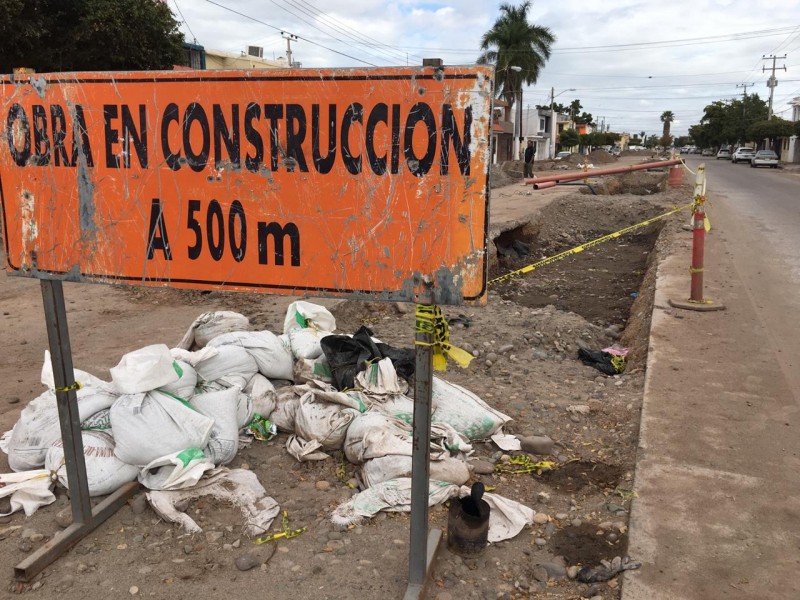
[[600, 157], [498, 177], [638, 183]]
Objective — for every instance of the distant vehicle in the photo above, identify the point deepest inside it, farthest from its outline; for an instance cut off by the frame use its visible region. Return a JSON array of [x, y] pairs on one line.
[[724, 153], [764, 158], [615, 151], [708, 152], [742, 155], [562, 155]]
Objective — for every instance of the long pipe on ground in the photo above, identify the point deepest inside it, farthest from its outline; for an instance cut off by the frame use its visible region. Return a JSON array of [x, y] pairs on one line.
[[540, 183]]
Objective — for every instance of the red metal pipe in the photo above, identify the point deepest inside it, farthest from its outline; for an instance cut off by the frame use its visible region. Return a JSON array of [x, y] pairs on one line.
[[698, 249], [543, 186], [536, 182]]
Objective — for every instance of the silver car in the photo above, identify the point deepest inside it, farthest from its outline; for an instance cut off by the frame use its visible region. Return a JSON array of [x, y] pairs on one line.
[[764, 158], [743, 155], [724, 153]]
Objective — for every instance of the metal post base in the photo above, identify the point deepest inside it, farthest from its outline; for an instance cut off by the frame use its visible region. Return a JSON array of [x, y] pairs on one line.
[[63, 541], [703, 306], [416, 591]]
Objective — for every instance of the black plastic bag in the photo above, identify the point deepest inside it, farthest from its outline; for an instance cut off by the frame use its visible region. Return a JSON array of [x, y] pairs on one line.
[[348, 356], [604, 362]]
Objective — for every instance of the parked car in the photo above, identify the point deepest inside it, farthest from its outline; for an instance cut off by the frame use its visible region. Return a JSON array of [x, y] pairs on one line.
[[742, 155], [764, 158], [562, 155], [724, 153], [708, 152]]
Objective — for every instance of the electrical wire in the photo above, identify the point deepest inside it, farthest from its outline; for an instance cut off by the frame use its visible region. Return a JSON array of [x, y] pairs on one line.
[[282, 30], [185, 22]]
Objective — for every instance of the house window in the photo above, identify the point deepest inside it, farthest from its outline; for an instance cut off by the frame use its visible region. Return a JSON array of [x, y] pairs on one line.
[[541, 125]]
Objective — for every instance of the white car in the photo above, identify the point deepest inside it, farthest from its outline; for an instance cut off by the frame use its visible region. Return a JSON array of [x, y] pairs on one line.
[[764, 158], [562, 155], [724, 153], [743, 155]]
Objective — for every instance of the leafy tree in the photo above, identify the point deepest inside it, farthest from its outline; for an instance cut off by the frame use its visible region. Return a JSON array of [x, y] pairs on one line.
[[513, 41], [651, 141], [569, 138], [727, 122], [88, 35], [585, 118], [684, 140], [666, 118], [772, 129]]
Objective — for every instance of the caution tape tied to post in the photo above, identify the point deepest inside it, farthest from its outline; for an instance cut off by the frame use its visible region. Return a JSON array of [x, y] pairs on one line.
[[586, 246], [431, 320]]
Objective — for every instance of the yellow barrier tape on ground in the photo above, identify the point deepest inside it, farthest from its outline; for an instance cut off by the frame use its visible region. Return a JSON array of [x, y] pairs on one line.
[[430, 320], [586, 246]]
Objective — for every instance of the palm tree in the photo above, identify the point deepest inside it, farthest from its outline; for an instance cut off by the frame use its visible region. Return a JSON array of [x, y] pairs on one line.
[[667, 118], [513, 41]]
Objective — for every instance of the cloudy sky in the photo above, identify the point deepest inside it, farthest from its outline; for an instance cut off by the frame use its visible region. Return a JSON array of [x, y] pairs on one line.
[[628, 60]]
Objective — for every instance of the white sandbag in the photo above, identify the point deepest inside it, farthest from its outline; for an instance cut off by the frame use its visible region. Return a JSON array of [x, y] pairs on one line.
[[105, 473], [397, 406], [84, 378], [223, 443], [316, 369], [328, 393], [305, 451], [506, 518], [99, 421], [375, 434], [305, 343], [27, 490], [143, 370], [244, 404], [187, 380], [211, 324], [393, 495], [378, 470], [262, 395], [287, 403], [38, 426], [302, 314], [465, 411], [149, 426], [232, 365], [323, 421], [176, 471], [381, 378], [238, 487], [272, 354]]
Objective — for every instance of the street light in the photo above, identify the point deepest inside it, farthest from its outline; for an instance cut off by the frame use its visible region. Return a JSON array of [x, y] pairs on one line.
[[553, 121]]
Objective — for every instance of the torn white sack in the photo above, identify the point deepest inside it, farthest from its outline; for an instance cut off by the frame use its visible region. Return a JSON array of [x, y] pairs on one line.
[[237, 486], [143, 370], [27, 490], [176, 471], [211, 324], [507, 442], [302, 314]]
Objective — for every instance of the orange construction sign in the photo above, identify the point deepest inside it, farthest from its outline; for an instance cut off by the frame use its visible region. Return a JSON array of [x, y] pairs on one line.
[[349, 182]]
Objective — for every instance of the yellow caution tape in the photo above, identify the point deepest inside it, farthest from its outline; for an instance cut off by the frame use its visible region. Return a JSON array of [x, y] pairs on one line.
[[75, 386], [522, 464], [286, 533], [430, 320], [586, 246]]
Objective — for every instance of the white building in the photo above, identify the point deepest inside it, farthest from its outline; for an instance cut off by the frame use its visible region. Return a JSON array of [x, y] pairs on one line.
[[790, 150]]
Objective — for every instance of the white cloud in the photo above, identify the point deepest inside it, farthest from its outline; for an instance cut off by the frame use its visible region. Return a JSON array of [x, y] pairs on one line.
[[609, 79]]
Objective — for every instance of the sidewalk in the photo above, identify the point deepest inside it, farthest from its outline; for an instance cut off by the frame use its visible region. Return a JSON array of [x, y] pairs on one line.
[[718, 467]]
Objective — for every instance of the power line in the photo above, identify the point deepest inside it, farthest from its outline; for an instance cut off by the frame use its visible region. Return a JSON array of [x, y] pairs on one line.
[[730, 37], [281, 30], [185, 22]]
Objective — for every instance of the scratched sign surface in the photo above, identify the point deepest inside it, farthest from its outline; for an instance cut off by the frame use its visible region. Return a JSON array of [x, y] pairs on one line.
[[356, 182]]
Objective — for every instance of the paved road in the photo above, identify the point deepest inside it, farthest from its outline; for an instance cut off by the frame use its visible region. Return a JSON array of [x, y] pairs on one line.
[[718, 467]]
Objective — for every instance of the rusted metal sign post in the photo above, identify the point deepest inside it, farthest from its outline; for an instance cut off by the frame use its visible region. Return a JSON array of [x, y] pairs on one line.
[[360, 183]]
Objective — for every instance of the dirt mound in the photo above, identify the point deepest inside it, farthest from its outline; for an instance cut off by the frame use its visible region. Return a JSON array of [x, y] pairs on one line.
[[638, 183], [498, 177], [600, 157]]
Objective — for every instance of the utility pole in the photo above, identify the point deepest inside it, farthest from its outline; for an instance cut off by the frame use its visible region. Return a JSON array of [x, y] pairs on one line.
[[552, 145], [289, 37], [744, 106], [772, 82]]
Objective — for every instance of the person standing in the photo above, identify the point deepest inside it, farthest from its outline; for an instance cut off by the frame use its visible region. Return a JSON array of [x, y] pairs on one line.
[[530, 154]]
